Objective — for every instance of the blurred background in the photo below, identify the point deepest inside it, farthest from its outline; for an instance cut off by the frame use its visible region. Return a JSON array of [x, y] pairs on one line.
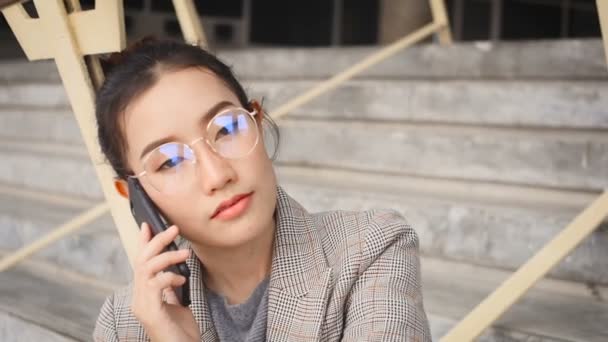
[[324, 23], [489, 147]]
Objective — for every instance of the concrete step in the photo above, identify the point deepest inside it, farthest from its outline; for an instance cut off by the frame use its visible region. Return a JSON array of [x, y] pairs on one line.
[[570, 159], [95, 250], [47, 304], [67, 305], [54, 168], [41, 124], [556, 104], [16, 329], [552, 59], [544, 158], [482, 224], [469, 222], [551, 311]]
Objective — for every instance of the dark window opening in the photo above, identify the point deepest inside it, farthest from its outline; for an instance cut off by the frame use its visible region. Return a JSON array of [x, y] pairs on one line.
[[476, 20], [528, 20], [172, 28], [291, 23], [223, 32], [86, 5], [129, 24], [360, 22], [162, 6], [524, 19], [224, 8], [30, 8], [584, 21], [134, 4]]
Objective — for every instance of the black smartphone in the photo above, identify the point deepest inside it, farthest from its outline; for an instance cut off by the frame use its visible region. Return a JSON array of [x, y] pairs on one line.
[[144, 210]]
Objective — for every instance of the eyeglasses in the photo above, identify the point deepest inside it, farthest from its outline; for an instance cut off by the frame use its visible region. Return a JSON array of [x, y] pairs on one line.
[[171, 167]]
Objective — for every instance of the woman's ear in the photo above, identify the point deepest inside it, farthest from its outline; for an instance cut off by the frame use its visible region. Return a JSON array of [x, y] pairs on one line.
[[121, 187], [255, 105]]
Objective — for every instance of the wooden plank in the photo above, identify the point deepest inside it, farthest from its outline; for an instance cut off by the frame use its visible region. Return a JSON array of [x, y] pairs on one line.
[[440, 16], [66, 229], [353, 70], [602, 10], [55, 35], [190, 22], [95, 31], [27, 32]]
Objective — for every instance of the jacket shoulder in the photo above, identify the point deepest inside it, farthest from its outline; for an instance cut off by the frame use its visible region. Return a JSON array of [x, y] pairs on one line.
[[116, 322], [352, 238]]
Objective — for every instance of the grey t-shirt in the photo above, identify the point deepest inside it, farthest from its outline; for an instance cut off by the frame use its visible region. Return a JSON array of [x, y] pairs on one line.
[[245, 322]]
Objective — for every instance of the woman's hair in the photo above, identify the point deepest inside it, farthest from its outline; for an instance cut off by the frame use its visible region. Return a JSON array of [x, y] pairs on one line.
[[131, 72]]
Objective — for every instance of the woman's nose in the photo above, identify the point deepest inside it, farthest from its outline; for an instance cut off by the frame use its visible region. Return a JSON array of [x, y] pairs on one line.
[[213, 171]]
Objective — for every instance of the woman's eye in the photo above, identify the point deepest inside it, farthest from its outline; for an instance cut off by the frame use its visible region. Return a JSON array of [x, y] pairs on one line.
[[229, 129], [171, 162]]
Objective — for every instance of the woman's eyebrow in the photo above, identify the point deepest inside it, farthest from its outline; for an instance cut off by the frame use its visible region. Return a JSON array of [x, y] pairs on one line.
[[215, 109], [155, 144], [206, 117]]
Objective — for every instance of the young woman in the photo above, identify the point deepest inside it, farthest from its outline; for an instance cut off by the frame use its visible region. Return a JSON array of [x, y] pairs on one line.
[[262, 268]]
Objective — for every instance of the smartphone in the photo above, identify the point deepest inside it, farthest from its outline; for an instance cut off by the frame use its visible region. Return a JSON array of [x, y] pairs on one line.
[[144, 210]]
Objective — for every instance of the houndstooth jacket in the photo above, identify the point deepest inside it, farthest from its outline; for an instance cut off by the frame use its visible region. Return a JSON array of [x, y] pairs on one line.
[[336, 276]]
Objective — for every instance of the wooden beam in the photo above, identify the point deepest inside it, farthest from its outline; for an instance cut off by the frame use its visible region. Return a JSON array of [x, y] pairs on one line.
[[440, 16], [57, 35], [95, 31], [359, 67], [190, 23], [58, 233], [602, 10]]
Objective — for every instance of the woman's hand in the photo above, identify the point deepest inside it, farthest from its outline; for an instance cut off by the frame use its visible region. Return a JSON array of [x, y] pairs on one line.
[[163, 321]]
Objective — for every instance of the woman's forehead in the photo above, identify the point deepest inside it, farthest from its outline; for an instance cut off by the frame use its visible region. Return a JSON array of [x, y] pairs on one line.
[[173, 106]]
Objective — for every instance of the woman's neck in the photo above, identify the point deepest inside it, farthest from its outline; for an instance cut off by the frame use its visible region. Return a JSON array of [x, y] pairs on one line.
[[236, 272]]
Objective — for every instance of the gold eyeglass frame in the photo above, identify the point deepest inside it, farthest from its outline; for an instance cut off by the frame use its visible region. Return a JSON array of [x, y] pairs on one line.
[[256, 109]]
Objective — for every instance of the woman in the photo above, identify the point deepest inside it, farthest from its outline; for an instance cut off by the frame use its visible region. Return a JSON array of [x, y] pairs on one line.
[[262, 268]]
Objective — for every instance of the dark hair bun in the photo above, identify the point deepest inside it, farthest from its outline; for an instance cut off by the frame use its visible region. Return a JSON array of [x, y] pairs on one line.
[[116, 58]]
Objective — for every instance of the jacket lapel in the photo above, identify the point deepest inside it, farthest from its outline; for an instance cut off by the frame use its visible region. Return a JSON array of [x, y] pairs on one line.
[[198, 298], [300, 277], [299, 280]]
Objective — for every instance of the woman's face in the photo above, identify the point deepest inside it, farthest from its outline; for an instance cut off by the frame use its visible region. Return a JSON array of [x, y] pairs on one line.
[[175, 109]]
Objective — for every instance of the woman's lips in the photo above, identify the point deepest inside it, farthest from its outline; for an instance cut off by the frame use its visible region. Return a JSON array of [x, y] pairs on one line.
[[236, 207]]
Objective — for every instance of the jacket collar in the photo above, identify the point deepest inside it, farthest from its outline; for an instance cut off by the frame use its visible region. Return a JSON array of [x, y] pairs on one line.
[[298, 264], [298, 258]]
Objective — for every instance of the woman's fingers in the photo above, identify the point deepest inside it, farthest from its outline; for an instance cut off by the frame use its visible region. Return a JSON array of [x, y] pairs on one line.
[[166, 279], [164, 260], [144, 235], [170, 296], [156, 245]]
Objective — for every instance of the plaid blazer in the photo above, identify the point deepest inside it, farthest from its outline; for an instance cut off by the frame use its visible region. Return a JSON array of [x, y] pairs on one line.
[[338, 275]]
